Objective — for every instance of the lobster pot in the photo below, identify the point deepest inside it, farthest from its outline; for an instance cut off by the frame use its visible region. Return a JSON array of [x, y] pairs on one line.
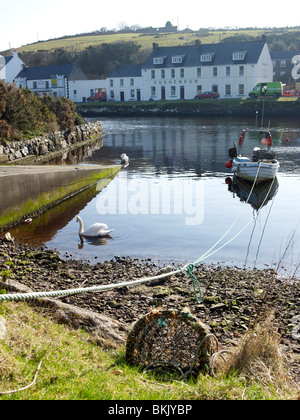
[[170, 337]]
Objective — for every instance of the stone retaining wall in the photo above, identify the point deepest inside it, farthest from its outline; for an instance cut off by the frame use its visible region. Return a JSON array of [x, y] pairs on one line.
[[57, 141]]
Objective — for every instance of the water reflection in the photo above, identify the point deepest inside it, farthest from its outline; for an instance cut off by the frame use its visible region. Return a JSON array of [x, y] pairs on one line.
[[257, 196], [44, 227], [164, 151], [93, 241]]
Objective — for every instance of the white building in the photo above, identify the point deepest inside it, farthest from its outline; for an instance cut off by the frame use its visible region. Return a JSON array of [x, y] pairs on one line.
[[12, 66], [80, 90], [173, 73], [49, 80], [124, 83]]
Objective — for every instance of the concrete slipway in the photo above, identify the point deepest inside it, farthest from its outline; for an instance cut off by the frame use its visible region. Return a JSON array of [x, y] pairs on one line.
[[27, 190]]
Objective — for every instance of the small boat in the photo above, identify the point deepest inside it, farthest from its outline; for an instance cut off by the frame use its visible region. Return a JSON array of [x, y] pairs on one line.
[[262, 166]]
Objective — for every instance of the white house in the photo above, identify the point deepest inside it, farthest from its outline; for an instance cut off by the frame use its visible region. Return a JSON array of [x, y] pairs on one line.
[[124, 83], [170, 73], [12, 66], [49, 80], [2, 68], [80, 90]]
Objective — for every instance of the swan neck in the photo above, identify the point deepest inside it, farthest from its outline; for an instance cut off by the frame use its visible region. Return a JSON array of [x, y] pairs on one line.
[[80, 225]]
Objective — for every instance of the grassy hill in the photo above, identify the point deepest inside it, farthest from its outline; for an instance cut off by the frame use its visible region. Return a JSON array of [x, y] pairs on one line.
[[145, 40]]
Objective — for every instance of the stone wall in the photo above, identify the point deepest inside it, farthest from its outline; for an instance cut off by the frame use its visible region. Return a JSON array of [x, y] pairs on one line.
[[57, 141]]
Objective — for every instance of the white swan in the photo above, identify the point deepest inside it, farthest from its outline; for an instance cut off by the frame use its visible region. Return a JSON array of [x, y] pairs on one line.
[[124, 158], [97, 229]]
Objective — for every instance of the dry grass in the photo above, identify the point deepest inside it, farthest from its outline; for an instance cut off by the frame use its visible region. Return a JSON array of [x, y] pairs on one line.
[[259, 357]]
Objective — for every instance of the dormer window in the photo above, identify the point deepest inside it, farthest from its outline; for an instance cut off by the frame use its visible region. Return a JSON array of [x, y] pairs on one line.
[[177, 59], [158, 60], [206, 58], [239, 55]]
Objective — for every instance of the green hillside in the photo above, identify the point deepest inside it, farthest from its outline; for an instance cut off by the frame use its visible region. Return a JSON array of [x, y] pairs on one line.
[[145, 40]]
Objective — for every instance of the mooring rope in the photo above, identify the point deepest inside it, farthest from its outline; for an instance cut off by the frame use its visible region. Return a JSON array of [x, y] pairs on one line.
[[188, 268]]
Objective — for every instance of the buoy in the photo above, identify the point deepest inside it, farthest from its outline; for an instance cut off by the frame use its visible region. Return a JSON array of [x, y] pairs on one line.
[[287, 139], [228, 164], [228, 180]]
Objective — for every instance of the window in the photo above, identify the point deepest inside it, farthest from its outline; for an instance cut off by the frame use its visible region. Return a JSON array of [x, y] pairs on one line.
[[111, 82], [199, 89], [121, 82], [132, 94], [34, 85], [181, 72], [241, 89], [282, 63], [158, 60], [227, 71], [177, 60], [112, 94], [152, 74], [215, 88], [215, 71], [47, 84], [227, 90], [239, 55], [206, 58], [163, 74], [173, 90], [153, 91], [241, 71], [198, 71], [173, 73], [131, 82]]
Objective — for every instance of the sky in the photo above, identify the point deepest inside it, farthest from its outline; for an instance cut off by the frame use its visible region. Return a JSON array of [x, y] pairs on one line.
[[26, 21]]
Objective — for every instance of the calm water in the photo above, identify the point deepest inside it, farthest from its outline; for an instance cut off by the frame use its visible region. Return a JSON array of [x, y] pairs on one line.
[[172, 204]]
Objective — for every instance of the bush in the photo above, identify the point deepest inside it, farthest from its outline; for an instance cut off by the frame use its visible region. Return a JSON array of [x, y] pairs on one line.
[[23, 115]]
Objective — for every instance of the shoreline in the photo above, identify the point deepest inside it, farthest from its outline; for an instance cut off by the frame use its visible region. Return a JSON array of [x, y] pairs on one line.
[[232, 299], [237, 107]]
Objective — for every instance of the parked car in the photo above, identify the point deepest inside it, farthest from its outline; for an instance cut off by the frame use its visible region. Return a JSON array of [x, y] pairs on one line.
[[207, 95]]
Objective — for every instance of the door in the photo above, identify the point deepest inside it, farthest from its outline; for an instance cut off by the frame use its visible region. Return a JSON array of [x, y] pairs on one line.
[[122, 97], [138, 94], [163, 92], [181, 92]]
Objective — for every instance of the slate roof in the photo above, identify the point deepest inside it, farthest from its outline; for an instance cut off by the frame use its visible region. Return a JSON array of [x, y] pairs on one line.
[[7, 59], [133, 70], [46, 72], [284, 55], [221, 53]]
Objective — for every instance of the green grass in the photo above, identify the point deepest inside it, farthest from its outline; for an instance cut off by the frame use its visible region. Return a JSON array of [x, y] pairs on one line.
[[79, 43], [75, 368]]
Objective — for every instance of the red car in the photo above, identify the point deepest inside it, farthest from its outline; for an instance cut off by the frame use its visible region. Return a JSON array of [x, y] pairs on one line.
[[207, 95]]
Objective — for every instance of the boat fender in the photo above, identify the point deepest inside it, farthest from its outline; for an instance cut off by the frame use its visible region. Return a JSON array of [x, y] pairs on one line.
[[228, 180], [228, 164]]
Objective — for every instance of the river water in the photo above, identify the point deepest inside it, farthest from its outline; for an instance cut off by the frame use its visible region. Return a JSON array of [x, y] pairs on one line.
[[174, 202]]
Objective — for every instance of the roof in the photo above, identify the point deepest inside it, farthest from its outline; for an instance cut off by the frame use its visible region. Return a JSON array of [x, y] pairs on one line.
[[7, 59], [283, 55], [133, 70], [47, 72], [221, 54]]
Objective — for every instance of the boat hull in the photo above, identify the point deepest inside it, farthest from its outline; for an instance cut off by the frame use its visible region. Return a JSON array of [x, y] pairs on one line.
[[249, 170]]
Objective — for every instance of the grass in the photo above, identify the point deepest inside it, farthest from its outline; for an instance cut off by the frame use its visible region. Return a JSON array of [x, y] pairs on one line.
[[74, 367], [79, 43]]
